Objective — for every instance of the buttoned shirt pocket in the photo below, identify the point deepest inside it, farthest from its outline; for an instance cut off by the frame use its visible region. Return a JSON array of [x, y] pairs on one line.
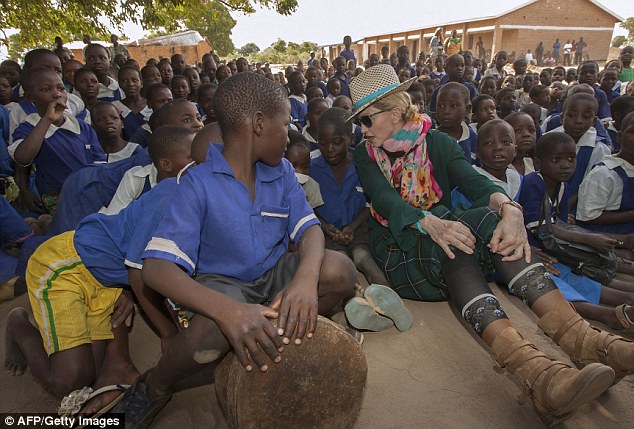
[[273, 224]]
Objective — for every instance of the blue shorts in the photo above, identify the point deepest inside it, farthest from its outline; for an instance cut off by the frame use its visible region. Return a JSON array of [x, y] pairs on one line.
[[576, 288]]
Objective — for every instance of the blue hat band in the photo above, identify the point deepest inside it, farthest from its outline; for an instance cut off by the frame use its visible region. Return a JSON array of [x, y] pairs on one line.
[[376, 94]]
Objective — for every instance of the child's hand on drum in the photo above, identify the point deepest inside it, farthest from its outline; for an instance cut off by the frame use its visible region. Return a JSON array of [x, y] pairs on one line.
[[297, 307]]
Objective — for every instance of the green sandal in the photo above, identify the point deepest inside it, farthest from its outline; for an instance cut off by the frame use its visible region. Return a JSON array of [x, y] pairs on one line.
[[387, 303], [362, 315]]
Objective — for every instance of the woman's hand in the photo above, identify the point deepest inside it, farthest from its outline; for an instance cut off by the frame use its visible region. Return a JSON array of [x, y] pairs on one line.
[[509, 238], [447, 233]]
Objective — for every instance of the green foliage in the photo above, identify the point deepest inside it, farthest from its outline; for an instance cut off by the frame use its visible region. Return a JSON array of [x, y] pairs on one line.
[[281, 52], [628, 25], [249, 49], [618, 41], [39, 21]]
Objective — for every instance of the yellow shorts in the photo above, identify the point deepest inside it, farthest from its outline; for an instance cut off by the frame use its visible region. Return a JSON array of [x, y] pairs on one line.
[[70, 306]]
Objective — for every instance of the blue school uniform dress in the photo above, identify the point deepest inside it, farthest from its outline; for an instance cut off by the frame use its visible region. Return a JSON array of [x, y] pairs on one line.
[[323, 88], [342, 203], [345, 83], [609, 187], [6, 165], [223, 231], [468, 142], [612, 94], [572, 286], [590, 152], [437, 75], [13, 230], [110, 92], [142, 135], [63, 151], [473, 92], [299, 108], [604, 105], [131, 121]]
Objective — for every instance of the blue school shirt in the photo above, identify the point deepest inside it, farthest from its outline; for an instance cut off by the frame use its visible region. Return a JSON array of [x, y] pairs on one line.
[[612, 94], [63, 151], [321, 86], [604, 106], [109, 244], [131, 121], [6, 164], [222, 231], [531, 198], [299, 109], [437, 75], [345, 82], [554, 121], [468, 142], [473, 92], [13, 229], [342, 203], [111, 92], [142, 135]]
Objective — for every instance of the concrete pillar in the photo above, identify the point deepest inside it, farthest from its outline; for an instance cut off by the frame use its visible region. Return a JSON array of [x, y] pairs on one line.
[[497, 41]]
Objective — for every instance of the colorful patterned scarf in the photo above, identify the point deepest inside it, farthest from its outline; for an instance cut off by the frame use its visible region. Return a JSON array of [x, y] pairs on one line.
[[412, 173]]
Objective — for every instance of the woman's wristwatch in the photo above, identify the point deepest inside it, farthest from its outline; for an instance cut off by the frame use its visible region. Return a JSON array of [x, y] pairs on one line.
[[510, 203]]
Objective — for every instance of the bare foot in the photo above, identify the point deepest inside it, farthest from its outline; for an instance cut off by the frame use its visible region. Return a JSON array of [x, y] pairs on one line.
[[14, 360], [123, 374]]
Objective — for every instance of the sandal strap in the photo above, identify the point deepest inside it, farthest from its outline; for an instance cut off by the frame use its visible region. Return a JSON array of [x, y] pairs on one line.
[[622, 316]]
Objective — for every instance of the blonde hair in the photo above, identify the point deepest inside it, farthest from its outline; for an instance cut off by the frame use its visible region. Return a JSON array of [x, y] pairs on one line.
[[398, 100]]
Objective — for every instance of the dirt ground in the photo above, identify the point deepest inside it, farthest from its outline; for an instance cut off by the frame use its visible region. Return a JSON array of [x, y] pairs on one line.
[[436, 375]]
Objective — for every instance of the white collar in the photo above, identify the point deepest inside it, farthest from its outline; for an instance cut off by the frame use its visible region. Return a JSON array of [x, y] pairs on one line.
[[146, 171], [301, 98], [302, 178], [112, 84], [610, 126], [512, 184], [612, 162], [589, 138], [306, 134], [124, 153], [122, 108], [70, 124], [146, 112], [465, 131], [562, 187]]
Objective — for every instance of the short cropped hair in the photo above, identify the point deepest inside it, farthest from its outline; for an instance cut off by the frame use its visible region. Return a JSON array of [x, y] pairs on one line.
[[97, 45], [145, 69], [297, 139], [31, 57], [82, 71], [169, 108], [537, 90], [516, 115], [492, 123], [29, 77], [548, 141], [136, 70], [475, 103], [243, 94], [336, 117], [503, 93], [458, 87], [165, 139], [312, 104], [154, 88], [621, 105], [581, 97]]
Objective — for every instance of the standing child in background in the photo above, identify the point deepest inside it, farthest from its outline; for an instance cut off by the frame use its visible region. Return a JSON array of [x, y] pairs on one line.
[[180, 87], [525, 133], [488, 86], [312, 80], [193, 78], [556, 92], [506, 102], [98, 60], [334, 90], [439, 65], [579, 114], [149, 75], [522, 95], [177, 61], [133, 107], [519, 67], [540, 95], [311, 130], [498, 72], [339, 65], [555, 153], [205, 102], [619, 109], [627, 72], [453, 105], [609, 77], [483, 107], [108, 127], [298, 153], [344, 217], [87, 85], [588, 72], [165, 68], [299, 105], [58, 143]]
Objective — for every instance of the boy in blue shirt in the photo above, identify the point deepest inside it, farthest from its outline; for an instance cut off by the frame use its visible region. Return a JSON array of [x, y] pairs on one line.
[[455, 71], [452, 107], [58, 143], [339, 64], [620, 108], [98, 60], [297, 98], [243, 205]]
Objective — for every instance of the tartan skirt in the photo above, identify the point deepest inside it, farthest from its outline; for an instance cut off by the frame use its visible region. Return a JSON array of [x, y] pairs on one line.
[[417, 273]]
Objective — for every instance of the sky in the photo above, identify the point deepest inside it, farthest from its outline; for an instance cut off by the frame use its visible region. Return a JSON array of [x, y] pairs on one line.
[[327, 21]]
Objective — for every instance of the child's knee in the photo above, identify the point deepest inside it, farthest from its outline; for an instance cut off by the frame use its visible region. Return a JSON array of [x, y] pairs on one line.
[[338, 271]]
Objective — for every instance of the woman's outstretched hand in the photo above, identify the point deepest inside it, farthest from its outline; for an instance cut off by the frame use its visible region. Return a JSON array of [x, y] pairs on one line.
[[509, 238], [448, 234]]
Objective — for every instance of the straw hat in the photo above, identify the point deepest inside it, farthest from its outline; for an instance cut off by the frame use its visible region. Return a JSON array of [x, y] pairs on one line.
[[374, 84]]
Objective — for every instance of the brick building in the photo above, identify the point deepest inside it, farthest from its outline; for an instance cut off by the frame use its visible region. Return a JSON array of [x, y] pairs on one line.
[[515, 30]]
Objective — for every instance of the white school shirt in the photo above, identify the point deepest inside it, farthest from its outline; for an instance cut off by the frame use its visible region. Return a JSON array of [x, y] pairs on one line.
[[124, 153], [130, 188], [602, 189], [512, 184]]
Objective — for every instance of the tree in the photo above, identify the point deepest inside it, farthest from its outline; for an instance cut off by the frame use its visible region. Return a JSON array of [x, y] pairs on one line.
[[628, 25], [618, 41], [281, 52], [39, 22], [249, 49]]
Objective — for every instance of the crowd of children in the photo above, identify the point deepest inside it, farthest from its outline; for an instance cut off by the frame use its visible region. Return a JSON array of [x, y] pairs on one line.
[[102, 205]]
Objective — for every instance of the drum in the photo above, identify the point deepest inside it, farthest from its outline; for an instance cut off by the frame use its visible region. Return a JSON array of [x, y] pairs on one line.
[[318, 384]]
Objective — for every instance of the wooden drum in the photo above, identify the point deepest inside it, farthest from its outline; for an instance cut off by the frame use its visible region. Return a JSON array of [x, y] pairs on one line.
[[318, 384]]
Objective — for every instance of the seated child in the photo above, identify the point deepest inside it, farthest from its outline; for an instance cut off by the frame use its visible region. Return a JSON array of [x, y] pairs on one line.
[[58, 143], [150, 75], [523, 97], [299, 105], [588, 72], [158, 95], [556, 92], [452, 107], [108, 125], [619, 109], [417, 93], [498, 72], [231, 287], [312, 80], [469, 74], [606, 201], [205, 102], [68, 72], [97, 59], [193, 78], [133, 107], [506, 101], [608, 78], [555, 154], [13, 232], [314, 92], [519, 66], [334, 89], [525, 137], [508, 82], [455, 71], [439, 65], [11, 70], [140, 179], [315, 108], [571, 76], [559, 74], [579, 114], [483, 107], [488, 86], [180, 87], [298, 154], [540, 95]]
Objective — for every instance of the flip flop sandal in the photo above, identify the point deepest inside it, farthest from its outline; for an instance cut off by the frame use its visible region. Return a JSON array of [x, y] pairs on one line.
[[624, 319], [387, 303], [362, 315], [74, 401]]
